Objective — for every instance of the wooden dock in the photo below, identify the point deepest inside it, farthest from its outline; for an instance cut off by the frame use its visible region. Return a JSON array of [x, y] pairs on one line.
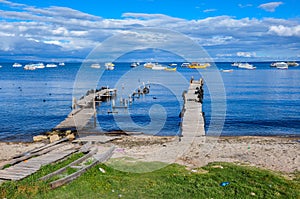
[[192, 124], [83, 110]]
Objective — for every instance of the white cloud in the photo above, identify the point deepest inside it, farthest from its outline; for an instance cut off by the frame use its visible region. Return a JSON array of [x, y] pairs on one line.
[[209, 10], [285, 31], [63, 31], [270, 7], [245, 5]]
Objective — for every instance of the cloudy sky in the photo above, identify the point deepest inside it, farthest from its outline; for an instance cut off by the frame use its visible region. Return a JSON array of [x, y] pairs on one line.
[[227, 30]]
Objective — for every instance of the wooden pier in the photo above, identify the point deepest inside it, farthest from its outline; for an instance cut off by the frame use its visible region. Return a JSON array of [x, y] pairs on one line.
[[192, 124], [83, 110]]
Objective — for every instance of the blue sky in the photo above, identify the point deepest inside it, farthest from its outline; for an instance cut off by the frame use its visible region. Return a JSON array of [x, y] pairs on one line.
[[227, 30]]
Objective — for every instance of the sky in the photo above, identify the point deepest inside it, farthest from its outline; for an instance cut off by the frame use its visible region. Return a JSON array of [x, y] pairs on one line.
[[65, 30]]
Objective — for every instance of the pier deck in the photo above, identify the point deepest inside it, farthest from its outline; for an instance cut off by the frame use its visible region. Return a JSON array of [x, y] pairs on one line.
[[192, 121], [83, 111]]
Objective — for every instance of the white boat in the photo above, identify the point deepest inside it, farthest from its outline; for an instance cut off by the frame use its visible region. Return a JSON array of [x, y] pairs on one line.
[[227, 70], [172, 64], [281, 65], [235, 64], [149, 65], [95, 66], [0, 66], [246, 66], [39, 65], [16, 65], [158, 67], [109, 66], [30, 67], [51, 66], [134, 64], [186, 64], [61, 64]]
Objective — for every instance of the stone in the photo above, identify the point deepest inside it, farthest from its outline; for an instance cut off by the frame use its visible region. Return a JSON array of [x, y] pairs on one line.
[[53, 138], [39, 138], [68, 132], [71, 136]]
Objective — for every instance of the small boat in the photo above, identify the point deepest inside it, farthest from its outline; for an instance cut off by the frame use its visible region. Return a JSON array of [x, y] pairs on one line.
[[246, 66], [172, 64], [29, 67], [235, 64], [171, 69], [292, 63], [39, 65], [109, 66], [51, 66], [61, 64], [280, 65], [227, 70], [134, 64], [95, 66], [158, 67], [0, 66], [149, 65], [196, 65], [17, 65], [185, 65]]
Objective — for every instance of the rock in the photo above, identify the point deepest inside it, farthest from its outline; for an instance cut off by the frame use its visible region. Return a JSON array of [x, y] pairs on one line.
[[39, 138], [54, 138], [68, 132], [71, 136]]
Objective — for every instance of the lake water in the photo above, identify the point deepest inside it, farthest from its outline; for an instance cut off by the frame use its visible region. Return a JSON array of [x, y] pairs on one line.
[[265, 101]]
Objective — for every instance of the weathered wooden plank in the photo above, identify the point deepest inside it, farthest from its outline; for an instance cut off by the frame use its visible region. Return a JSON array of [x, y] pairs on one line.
[[70, 165], [67, 179]]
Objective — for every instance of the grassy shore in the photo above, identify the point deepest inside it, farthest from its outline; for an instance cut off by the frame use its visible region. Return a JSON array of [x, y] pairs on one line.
[[172, 181]]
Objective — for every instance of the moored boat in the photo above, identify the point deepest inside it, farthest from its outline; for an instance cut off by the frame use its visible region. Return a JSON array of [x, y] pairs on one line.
[[61, 64], [109, 66], [171, 69], [185, 64], [149, 65], [51, 66], [95, 66], [292, 63], [246, 66], [196, 65], [158, 67], [134, 64], [29, 67], [235, 64], [17, 65]]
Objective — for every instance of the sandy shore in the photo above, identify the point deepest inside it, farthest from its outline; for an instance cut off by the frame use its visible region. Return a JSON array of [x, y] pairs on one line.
[[275, 153]]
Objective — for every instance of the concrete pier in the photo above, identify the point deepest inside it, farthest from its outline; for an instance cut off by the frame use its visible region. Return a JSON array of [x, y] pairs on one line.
[[192, 124]]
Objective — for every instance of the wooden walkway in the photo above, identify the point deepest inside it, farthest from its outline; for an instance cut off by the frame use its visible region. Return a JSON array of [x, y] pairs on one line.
[[192, 120], [84, 110], [30, 166]]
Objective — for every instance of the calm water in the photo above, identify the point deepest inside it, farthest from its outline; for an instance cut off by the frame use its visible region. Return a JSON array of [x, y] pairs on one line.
[[264, 101]]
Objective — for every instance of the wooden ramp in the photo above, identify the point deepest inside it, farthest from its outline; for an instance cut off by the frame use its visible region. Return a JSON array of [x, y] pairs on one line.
[[192, 120], [83, 112], [30, 166]]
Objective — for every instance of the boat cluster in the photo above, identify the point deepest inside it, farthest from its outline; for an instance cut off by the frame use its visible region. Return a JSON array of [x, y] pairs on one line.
[[37, 66], [108, 66]]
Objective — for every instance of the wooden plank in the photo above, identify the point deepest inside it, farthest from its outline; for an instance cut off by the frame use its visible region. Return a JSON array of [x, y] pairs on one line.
[[70, 165], [67, 179]]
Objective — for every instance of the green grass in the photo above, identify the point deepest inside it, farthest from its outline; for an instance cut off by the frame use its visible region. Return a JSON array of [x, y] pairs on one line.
[[172, 181]]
